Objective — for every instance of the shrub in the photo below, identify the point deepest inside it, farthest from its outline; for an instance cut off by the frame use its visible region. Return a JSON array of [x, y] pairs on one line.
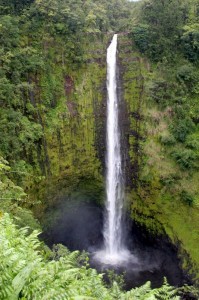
[[186, 158], [169, 180], [190, 42], [186, 198], [141, 37], [181, 128], [192, 141], [186, 74], [160, 92], [167, 139]]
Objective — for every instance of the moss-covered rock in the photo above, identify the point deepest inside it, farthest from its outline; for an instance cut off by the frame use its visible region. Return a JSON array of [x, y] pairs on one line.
[[163, 196], [70, 104]]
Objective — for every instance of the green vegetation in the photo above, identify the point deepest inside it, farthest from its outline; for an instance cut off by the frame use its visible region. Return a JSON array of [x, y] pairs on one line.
[[30, 271], [168, 191], [52, 113]]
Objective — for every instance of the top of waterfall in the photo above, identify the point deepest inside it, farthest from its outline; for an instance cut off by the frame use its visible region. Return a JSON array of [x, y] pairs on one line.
[[112, 49]]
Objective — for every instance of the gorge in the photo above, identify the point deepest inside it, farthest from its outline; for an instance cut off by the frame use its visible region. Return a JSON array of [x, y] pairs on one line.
[[113, 241], [99, 149]]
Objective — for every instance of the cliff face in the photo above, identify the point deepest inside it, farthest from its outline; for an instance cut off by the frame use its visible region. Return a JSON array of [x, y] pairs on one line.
[[71, 151], [132, 94], [71, 155], [155, 181]]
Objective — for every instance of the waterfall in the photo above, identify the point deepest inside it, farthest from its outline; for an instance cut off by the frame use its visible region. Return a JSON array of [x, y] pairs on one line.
[[114, 251], [114, 180]]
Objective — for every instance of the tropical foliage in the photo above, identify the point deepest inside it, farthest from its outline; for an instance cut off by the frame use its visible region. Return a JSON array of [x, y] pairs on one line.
[[28, 271], [167, 33], [44, 45]]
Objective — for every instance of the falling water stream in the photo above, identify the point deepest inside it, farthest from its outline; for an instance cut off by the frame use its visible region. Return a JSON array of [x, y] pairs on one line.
[[114, 186], [114, 250]]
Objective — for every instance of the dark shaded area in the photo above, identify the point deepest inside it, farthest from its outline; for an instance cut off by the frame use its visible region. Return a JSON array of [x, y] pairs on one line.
[[78, 225]]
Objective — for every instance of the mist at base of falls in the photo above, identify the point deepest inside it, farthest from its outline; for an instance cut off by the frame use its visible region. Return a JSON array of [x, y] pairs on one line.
[[79, 224], [118, 258]]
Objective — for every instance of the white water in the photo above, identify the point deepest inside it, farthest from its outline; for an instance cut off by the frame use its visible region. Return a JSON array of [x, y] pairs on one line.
[[114, 188], [114, 250]]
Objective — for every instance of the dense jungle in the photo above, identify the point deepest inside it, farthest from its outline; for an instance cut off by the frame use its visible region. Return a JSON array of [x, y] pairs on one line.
[[53, 111]]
